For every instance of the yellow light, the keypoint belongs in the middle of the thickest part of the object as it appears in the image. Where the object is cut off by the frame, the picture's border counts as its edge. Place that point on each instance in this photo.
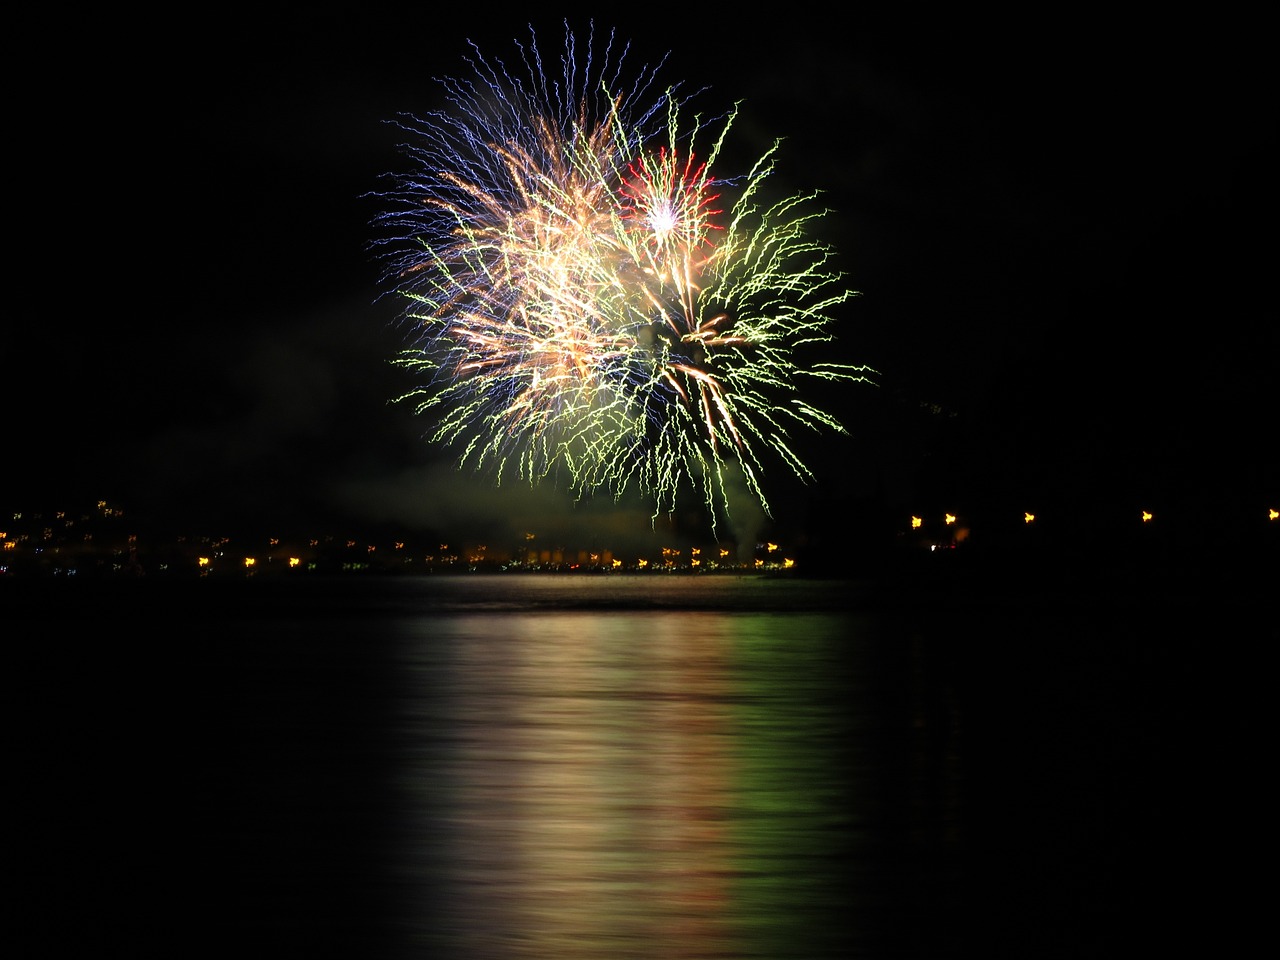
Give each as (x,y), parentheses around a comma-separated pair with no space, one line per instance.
(1146,516)
(1028,517)
(788,563)
(249,561)
(1273,514)
(202,561)
(949,518)
(772,547)
(915,523)
(294,561)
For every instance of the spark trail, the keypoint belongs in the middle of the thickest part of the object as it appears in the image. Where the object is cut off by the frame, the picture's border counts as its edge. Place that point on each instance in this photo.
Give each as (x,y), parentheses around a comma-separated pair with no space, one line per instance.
(586,302)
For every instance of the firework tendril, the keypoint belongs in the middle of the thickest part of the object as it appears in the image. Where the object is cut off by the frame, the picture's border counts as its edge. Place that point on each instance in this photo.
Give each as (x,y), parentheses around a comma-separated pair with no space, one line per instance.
(586,301)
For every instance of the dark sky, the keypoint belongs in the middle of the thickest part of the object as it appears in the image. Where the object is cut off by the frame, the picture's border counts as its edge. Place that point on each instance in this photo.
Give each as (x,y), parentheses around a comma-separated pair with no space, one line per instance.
(1063,233)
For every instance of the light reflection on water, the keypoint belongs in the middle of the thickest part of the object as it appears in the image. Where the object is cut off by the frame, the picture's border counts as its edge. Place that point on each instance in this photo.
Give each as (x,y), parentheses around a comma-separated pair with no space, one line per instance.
(630,767)
(634,784)
(472,768)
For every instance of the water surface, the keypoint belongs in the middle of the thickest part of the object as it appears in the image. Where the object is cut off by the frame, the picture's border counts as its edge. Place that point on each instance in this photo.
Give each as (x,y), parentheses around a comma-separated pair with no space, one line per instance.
(561,767)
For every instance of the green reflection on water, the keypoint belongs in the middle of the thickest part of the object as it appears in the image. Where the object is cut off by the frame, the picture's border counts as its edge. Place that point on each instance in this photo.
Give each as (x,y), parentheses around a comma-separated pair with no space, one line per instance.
(798,819)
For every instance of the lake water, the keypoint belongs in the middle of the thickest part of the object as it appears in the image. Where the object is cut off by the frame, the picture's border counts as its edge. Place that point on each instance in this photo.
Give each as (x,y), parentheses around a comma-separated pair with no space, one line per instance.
(547,767)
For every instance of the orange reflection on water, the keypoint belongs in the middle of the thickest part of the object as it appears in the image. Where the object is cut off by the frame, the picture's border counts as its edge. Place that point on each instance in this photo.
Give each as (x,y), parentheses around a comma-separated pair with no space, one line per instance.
(592,792)
(621,780)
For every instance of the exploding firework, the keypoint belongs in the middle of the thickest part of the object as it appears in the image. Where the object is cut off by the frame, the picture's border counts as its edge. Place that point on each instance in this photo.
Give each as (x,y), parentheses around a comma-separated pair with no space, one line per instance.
(586,301)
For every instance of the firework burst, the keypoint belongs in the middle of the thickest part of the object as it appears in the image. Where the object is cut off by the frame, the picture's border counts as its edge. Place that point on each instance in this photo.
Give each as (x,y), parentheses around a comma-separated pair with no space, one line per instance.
(586,303)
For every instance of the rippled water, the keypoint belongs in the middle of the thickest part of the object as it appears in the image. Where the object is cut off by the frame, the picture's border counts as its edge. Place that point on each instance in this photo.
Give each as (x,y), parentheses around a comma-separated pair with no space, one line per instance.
(633,785)
(578,767)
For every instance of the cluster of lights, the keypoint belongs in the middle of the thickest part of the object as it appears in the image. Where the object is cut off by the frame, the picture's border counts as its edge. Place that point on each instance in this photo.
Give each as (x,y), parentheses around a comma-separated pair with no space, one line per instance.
(45,542)
(1146,516)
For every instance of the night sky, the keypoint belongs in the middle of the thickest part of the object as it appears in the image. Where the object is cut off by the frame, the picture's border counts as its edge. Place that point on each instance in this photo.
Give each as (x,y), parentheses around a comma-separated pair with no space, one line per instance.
(1063,234)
